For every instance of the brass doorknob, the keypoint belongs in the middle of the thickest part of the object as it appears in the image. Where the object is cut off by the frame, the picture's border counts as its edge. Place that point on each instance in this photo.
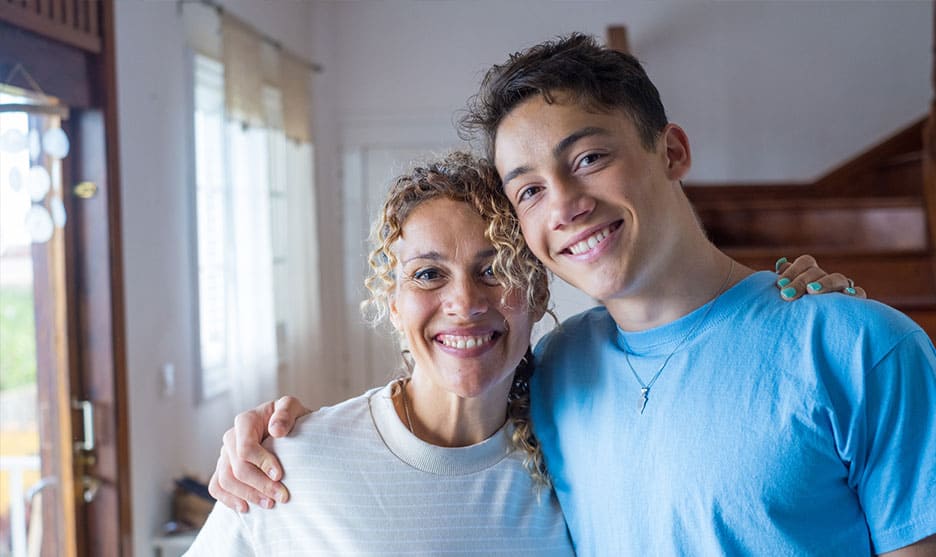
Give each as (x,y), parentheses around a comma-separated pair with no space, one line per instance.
(85,190)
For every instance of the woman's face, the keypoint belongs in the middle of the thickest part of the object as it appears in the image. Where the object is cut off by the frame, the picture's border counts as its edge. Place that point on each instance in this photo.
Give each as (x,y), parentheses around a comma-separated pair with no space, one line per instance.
(448,304)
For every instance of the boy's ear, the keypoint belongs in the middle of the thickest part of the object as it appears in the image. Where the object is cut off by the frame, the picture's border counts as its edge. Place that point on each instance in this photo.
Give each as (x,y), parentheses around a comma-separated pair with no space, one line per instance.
(675,142)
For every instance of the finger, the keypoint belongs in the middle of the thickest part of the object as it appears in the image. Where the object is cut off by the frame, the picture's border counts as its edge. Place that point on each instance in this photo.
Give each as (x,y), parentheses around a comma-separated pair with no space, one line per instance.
(833,282)
(286,411)
(796,287)
(251,463)
(248,482)
(240,484)
(850,288)
(797,267)
(788,272)
(249,432)
(226,498)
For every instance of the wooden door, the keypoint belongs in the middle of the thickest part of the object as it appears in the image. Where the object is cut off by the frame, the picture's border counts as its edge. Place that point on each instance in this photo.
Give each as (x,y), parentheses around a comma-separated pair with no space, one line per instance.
(83,506)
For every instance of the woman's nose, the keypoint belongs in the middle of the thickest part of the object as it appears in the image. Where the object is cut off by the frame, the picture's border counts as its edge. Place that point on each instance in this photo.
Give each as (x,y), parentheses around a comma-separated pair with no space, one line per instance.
(466,298)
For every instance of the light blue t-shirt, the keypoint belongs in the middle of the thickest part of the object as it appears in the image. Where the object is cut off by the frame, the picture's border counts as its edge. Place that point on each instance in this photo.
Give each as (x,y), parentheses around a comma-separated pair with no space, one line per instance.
(776,429)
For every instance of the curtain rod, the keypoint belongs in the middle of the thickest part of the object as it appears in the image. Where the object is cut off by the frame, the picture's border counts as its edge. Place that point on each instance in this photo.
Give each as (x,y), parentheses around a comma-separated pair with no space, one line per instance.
(317,68)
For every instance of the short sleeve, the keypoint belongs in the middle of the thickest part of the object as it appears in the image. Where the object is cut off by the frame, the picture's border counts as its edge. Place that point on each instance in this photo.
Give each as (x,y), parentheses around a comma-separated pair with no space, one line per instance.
(224,534)
(894,466)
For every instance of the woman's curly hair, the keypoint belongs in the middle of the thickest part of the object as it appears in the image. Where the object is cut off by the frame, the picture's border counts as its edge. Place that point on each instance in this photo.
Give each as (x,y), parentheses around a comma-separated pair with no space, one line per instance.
(459,176)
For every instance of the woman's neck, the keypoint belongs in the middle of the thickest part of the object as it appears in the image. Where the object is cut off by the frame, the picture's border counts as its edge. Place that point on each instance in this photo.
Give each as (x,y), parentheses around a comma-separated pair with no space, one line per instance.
(442,418)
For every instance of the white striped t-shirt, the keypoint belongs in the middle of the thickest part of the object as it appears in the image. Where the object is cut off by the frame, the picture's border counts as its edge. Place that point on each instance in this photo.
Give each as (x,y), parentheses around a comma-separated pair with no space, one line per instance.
(361,484)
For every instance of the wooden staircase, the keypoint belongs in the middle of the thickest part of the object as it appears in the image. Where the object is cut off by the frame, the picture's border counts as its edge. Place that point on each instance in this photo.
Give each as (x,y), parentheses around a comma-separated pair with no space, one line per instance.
(871,219)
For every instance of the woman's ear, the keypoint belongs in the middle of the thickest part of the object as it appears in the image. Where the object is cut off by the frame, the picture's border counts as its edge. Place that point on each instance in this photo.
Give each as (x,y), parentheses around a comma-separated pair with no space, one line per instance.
(678,156)
(394,314)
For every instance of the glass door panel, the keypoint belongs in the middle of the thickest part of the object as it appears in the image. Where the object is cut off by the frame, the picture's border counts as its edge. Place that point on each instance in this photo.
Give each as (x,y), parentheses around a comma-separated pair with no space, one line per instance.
(37,488)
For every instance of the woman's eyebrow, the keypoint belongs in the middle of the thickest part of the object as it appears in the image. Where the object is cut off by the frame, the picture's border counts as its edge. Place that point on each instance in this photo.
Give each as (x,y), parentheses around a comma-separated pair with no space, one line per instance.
(430,255)
(486,253)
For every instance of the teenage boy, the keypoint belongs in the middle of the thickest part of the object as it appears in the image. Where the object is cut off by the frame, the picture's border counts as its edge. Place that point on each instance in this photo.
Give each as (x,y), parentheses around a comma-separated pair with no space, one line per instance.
(691,413)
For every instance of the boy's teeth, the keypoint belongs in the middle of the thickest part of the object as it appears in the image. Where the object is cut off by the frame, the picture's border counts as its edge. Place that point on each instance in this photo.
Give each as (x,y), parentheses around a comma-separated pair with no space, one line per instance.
(590,242)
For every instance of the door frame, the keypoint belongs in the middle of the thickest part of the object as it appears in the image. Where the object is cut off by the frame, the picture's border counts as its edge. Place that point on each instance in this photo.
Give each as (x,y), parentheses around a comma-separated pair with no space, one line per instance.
(84,79)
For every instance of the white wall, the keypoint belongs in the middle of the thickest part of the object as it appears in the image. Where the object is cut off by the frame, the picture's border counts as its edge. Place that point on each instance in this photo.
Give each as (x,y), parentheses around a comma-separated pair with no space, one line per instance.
(766,91)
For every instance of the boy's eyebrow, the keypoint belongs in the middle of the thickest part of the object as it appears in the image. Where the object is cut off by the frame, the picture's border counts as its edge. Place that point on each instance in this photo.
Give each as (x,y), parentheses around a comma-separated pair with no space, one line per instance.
(573,137)
(558,150)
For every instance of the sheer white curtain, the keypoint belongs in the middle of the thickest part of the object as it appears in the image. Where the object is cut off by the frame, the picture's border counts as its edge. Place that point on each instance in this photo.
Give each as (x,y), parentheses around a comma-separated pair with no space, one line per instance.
(265,248)
(295,253)
(252,352)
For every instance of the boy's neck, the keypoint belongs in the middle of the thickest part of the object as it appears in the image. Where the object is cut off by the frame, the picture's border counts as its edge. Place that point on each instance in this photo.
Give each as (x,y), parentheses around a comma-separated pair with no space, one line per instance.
(685,281)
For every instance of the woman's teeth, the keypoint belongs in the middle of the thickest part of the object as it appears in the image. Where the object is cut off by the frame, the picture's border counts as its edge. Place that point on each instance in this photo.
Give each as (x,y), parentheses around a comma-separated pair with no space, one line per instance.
(465,342)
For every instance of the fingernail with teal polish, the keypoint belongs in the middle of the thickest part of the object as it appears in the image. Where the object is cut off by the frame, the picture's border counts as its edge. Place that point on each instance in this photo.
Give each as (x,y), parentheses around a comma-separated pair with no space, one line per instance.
(783,282)
(851,291)
(779,262)
(814,287)
(788,292)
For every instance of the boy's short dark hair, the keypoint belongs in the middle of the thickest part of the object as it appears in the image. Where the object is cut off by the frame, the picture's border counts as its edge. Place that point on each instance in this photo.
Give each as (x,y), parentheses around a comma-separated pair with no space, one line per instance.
(597,77)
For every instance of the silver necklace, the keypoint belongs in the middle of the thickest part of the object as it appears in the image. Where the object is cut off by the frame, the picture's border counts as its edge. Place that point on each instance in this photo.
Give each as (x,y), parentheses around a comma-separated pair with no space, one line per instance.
(645,387)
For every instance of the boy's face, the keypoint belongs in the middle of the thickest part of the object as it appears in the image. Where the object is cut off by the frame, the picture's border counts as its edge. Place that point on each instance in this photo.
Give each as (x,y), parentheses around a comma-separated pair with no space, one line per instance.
(594,204)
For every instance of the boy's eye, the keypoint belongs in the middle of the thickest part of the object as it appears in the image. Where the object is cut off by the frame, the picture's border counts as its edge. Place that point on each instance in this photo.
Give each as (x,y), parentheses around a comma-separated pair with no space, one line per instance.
(590,159)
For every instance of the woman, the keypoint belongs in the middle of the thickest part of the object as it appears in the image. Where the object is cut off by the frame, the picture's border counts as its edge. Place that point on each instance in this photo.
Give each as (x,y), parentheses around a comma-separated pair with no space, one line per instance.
(434,462)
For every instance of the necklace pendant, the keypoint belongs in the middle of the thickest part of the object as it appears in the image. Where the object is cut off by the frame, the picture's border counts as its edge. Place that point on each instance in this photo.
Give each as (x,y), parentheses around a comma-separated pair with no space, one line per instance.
(644,398)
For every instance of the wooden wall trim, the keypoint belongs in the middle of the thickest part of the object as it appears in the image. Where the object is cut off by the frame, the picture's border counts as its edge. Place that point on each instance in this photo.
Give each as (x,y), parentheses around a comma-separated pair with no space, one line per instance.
(63,27)
(66,80)
(928,136)
(617,38)
(118,307)
(841,178)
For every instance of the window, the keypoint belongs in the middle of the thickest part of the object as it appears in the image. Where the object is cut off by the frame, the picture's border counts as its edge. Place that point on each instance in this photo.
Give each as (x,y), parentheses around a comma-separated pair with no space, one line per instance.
(213,218)
(253,199)
(234,184)
(277,146)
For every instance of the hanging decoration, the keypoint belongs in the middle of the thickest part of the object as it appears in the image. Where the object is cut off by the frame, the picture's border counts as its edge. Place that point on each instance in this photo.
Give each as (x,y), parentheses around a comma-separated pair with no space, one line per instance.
(45,152)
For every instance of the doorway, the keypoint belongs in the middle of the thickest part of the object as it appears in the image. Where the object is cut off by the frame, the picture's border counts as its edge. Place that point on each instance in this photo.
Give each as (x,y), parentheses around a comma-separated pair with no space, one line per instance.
(64,475)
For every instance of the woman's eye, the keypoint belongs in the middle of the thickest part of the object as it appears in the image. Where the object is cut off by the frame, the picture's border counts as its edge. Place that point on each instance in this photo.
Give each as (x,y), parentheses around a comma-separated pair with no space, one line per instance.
(527,192)
(489,277)
(426,274)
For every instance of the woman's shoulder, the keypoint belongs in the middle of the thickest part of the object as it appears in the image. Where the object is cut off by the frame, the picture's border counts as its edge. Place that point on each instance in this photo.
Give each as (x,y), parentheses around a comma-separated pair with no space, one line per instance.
(347,422)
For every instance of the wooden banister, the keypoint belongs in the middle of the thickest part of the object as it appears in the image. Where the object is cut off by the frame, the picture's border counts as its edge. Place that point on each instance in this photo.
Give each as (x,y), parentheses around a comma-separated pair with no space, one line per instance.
(871,218)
